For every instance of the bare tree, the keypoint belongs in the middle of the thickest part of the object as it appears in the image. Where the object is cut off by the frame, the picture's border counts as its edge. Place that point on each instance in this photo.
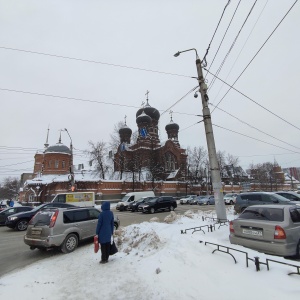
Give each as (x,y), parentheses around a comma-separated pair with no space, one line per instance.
(10,187)
(98,154)
(196,163)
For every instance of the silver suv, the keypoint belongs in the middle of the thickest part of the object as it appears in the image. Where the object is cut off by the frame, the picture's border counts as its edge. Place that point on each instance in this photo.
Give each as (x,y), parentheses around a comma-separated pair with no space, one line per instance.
(62,227)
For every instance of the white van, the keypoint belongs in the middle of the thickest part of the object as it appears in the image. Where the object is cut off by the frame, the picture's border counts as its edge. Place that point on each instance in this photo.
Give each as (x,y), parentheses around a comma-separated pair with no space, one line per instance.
(76,198)
(132,197)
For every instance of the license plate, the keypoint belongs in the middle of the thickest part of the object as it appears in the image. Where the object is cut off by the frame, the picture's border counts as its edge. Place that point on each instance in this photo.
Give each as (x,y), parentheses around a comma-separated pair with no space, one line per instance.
(35,232)
(252,232)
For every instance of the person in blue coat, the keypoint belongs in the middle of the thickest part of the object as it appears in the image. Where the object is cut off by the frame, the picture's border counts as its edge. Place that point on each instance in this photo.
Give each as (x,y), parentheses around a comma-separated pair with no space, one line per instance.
(105,230)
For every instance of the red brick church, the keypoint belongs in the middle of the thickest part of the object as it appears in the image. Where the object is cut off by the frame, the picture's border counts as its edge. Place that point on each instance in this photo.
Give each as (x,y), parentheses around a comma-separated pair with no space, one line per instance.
(147,155)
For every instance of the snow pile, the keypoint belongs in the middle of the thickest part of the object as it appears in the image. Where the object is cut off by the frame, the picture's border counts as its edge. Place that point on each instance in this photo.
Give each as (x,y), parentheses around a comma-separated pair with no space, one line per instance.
(156,262)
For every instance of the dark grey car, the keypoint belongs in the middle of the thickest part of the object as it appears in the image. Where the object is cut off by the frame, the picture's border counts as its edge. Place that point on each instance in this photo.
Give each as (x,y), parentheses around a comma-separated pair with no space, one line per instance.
(258,198)
(273,229)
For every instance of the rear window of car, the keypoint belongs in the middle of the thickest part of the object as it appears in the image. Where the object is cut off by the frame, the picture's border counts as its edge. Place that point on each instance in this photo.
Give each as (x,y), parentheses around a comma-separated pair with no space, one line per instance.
(251,197)
(295,215)
(267,214)
(42,218)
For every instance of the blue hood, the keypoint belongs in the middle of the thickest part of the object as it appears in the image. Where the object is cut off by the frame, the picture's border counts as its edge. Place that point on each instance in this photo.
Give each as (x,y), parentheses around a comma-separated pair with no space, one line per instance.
(105,206)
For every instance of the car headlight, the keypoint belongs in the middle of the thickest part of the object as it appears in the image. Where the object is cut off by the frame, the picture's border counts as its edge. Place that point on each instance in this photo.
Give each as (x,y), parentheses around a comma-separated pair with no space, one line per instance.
(146,206)
(12,218)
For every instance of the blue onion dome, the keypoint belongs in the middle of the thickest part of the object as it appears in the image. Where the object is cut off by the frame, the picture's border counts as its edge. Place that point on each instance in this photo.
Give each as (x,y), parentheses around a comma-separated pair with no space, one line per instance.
(125,129)
(143,118)
(171,126)
(58,148)
(150,111)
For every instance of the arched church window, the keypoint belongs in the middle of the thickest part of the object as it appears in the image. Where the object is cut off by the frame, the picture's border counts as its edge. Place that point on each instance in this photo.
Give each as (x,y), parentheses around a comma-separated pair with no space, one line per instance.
(56,164)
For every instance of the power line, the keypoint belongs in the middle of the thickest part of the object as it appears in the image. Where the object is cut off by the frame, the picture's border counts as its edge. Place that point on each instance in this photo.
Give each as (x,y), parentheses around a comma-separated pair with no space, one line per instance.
(256,53)
(255,127)
(250,137)
(17,164)
(232,45)
(79,99)
(237,57)
(224,36)
(93,61)
(204,58)
(232,87)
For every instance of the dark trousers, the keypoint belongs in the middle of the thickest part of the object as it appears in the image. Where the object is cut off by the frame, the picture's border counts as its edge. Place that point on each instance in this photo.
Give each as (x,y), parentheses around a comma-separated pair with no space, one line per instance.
(105,251)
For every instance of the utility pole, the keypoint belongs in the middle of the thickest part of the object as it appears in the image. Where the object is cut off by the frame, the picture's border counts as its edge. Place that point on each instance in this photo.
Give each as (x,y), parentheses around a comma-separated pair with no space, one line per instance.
(212,153)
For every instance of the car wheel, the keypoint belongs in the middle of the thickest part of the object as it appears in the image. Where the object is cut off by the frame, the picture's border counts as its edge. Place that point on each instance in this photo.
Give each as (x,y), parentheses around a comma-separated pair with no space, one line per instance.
(207,202)
(22,225)
(132,210)
(231,202)
(152,210)
(70,243)
(171,208)
(121,207)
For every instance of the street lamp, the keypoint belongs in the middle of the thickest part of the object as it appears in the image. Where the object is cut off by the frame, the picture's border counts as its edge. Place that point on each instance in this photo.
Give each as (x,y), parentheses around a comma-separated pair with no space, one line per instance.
(213,161)
(71,162)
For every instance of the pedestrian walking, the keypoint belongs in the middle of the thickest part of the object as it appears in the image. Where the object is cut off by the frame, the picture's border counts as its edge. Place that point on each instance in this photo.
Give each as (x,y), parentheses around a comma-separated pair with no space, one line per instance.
(105,230)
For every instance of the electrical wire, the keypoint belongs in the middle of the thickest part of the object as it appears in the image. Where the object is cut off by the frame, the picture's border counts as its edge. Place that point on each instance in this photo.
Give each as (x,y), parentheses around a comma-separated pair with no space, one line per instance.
(257,52)
(231,87)
(80,99)
(253,127)
(241,50)
(93,61)
(254,138)
(204,58)
(224,36)
(232,45)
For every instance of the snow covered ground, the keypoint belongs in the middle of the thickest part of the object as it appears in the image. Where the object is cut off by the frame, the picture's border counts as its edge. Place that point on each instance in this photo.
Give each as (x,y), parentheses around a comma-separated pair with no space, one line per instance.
(156,261)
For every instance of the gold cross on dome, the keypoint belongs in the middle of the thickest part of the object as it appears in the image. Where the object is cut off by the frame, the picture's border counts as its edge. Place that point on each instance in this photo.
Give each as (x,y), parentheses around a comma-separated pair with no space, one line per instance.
(171,114)
(125,119)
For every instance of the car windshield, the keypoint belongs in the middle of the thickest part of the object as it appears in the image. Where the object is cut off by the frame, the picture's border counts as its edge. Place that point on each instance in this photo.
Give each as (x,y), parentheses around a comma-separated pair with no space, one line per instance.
(263,213)
(152,200)
(229,195)
(276,197)
(125,198)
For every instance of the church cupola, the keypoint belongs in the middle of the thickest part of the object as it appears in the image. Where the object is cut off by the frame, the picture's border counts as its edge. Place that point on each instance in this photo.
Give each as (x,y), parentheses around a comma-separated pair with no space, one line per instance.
(172,130)
(125,133)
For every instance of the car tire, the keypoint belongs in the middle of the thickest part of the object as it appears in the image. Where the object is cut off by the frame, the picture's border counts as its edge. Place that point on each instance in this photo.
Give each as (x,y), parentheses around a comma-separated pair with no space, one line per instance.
(207,203)
(152,210)
(132,210)
(115,226)
(122,208)
(171,208)
(231,202)
(70,243)
(22,225)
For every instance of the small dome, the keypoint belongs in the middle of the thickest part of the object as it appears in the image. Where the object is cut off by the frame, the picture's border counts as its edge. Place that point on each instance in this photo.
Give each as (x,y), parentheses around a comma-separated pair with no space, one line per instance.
(143,118)
(125,129)
(150,111)
(171,126)
(58,148)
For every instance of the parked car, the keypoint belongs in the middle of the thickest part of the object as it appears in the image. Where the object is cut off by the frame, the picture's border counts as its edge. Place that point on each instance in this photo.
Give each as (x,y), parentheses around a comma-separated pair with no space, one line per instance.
(62,227)
(135,205)
(258,198)
(194,201)
(158,204)
(187,200)
(272,229)
(12,210)
(230,198)
(206,200)
(293,196)
(19,221)
(3,206)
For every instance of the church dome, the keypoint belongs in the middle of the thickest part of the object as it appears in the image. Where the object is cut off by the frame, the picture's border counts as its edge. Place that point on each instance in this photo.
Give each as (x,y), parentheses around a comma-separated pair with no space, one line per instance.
(150,111)
(125,130)
(58,148)
(143,118)
(172,126)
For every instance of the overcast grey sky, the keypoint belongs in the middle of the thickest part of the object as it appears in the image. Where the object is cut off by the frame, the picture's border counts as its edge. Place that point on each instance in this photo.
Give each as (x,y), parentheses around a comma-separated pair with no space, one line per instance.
(145,35)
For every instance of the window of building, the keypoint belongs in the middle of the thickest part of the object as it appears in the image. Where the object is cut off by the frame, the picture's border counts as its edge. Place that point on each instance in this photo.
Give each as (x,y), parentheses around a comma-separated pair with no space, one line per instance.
(49,163)
(63,164)
(56,164)
(170,162)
